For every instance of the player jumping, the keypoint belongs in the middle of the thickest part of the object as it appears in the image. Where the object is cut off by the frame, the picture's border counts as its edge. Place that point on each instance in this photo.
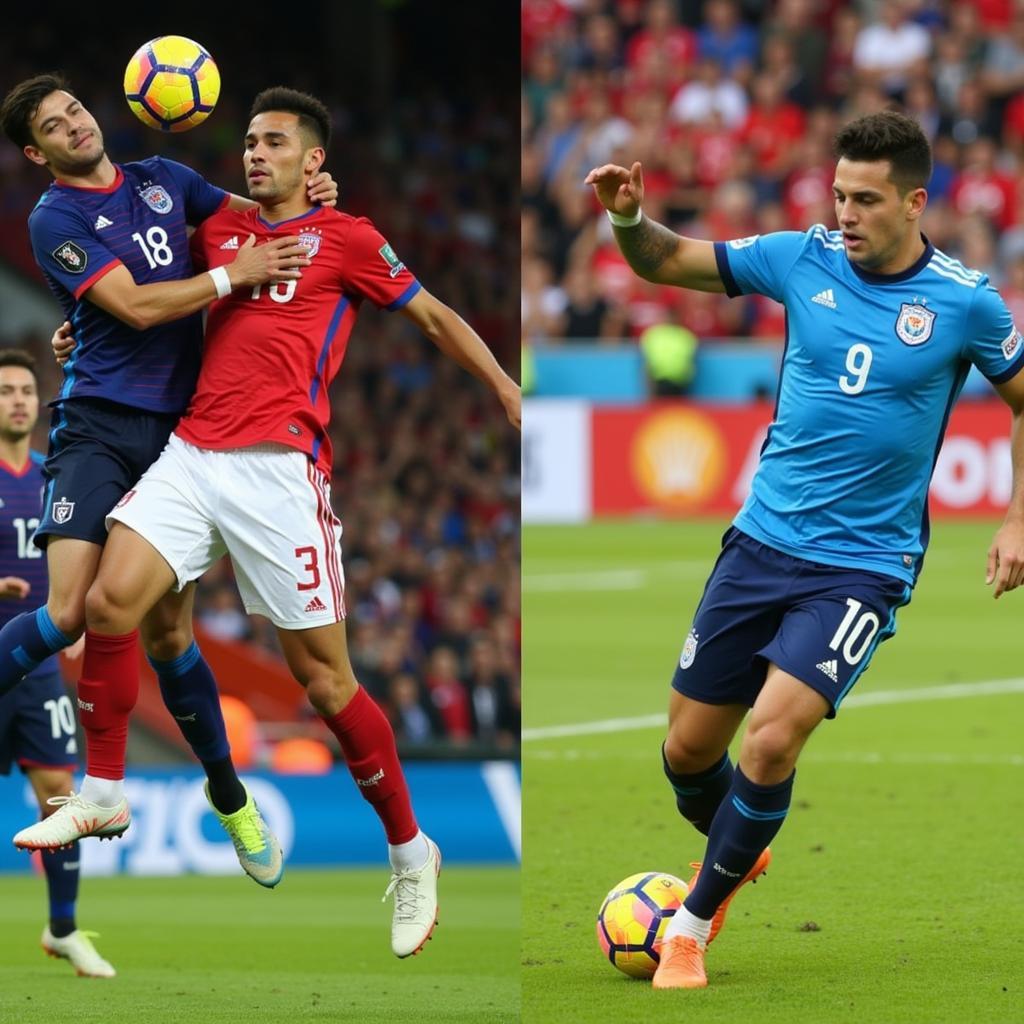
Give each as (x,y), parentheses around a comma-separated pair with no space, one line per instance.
(247,472)
(111,242)
(882,330)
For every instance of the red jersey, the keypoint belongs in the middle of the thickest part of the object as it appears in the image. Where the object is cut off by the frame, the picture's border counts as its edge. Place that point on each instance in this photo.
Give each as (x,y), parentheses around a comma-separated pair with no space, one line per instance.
(272,351)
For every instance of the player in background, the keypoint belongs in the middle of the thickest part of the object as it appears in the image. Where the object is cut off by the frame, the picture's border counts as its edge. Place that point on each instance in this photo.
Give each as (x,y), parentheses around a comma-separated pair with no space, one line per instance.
(111,242)
(882,330)
(247,471)
(37,722)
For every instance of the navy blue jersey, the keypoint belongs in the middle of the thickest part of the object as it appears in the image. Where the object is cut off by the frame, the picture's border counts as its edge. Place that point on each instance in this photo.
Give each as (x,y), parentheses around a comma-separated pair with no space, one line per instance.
(80,234)
(872,367)
(21,499)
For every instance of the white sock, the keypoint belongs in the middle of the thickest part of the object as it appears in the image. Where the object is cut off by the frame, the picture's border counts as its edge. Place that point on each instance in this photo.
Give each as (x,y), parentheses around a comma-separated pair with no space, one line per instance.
(685,923)
(411,855)
(105,792)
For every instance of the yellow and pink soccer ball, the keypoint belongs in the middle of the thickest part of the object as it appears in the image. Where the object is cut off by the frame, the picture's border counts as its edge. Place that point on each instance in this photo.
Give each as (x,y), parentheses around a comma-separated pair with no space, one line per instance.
(171,84)
(633,917)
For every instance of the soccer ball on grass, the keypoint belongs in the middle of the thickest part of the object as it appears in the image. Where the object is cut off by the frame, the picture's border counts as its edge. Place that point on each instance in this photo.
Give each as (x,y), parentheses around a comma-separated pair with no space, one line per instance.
(632,920)
(171,84)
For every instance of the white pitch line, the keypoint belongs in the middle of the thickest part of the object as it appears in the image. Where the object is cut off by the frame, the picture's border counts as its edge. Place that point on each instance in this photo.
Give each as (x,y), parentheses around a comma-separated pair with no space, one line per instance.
(866,757)
(951,691)
(608,579)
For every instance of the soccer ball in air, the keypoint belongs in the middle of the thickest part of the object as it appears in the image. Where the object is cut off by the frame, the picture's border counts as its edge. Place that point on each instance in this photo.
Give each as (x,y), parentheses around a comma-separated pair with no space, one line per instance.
(632,920)
(171,83)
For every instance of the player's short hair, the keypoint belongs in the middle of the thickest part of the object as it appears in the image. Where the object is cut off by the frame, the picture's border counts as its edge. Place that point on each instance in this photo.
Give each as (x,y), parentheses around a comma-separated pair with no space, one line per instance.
(889,135)
(18,357)
(314,117)
(22,102)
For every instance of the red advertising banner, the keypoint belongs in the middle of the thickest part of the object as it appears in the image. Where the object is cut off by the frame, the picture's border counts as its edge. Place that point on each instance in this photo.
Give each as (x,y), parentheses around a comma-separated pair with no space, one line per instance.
(680,459)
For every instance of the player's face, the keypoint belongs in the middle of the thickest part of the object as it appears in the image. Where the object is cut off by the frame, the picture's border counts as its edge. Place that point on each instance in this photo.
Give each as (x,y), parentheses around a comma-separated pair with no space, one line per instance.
(19,402)
(874,217)
(67,138)
(277,158)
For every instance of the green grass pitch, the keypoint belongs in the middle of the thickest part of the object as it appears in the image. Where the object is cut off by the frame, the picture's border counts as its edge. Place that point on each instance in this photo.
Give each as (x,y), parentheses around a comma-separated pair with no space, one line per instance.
(212,950)
(896,895)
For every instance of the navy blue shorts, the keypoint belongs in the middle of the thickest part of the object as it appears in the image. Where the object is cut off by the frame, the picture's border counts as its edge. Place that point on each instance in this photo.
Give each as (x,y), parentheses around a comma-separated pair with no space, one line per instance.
(98,451)
(37,725)
(817,622)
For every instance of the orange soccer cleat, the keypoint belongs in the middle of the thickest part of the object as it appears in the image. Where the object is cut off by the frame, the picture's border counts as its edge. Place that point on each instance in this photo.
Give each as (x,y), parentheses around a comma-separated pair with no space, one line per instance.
(759,868)
(682,964)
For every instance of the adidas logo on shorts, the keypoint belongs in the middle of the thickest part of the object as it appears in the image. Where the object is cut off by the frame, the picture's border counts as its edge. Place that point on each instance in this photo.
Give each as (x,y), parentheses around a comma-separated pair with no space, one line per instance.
(316,605)
(830,668)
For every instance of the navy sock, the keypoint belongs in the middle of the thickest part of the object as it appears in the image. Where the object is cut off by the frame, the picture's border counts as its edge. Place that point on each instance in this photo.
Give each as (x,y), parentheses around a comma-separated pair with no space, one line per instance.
(25,643)
(190,693)
(61,867)
(698,795)
(747,821)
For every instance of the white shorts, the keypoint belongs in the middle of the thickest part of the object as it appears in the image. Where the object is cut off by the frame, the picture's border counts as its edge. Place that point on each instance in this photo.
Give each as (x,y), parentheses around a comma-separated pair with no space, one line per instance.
(267,506)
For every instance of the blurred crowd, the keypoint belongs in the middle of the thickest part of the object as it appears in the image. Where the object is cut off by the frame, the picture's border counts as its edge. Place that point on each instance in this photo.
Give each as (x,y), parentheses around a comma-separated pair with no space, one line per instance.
(426,467)
(731,107)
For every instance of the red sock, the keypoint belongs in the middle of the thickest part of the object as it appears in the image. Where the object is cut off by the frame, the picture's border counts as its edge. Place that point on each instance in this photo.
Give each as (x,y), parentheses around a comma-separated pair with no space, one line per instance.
(369,747)
(107,692)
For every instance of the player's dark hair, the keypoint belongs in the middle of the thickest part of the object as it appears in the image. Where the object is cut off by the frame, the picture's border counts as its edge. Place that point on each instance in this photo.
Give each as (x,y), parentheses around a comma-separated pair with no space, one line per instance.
(889,135)
(18,357)
(22,102)
(314,117)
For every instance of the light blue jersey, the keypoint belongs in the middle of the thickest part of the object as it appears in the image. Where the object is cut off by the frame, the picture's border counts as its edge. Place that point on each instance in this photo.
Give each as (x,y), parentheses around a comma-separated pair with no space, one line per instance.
(872,366)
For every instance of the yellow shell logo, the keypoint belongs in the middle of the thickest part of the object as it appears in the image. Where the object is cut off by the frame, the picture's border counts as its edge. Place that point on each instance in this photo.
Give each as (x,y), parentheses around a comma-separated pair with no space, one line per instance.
(678,459)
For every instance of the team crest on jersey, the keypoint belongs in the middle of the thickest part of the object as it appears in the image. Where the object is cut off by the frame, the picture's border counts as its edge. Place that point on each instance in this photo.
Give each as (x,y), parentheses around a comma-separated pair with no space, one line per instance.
(689,650)
(742,243)
(128,495)
(1011,346)
(62,511)
(157,199)
(914,324)
(73,258)
(310,241)
(396,265)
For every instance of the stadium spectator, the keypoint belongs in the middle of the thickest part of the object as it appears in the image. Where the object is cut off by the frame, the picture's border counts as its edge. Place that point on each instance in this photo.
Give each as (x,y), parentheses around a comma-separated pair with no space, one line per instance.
(891,49)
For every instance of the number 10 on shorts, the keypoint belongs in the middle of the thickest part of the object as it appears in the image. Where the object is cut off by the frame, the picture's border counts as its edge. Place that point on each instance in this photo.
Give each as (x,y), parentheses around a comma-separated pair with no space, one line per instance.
(855,632)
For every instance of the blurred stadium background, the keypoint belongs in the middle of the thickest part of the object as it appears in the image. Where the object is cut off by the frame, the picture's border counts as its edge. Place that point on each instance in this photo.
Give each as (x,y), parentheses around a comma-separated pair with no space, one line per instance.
(426,477)
(647,411)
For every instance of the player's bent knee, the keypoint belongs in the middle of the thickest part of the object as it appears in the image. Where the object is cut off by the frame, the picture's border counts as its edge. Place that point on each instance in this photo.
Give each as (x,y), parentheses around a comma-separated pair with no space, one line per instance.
(770,748)
(163,644)
(329,692)
(686,756)
(68,617)
(104,613)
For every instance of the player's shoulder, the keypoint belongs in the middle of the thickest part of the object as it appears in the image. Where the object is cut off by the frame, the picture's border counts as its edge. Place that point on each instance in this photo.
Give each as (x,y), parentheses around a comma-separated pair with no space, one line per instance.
(54,204)
(38,458)
(960,277)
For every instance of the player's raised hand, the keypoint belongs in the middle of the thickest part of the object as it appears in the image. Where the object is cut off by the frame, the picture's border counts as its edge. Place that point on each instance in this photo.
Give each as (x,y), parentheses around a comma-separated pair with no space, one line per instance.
(14,586)
(617,189)
(280,259)
(1005,566)
(322,189)
(62,343)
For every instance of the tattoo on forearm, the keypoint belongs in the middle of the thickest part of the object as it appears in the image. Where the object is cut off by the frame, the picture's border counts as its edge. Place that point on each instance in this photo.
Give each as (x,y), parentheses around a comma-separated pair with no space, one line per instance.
(647,246)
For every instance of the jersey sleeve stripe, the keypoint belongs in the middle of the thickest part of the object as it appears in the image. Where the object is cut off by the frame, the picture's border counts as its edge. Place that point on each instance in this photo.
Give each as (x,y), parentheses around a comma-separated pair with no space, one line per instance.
(102,272)
(405,297)
(732,289)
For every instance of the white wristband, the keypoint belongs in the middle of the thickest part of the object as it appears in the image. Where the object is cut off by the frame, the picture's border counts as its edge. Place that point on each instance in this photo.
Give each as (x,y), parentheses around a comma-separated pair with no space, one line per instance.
(221,281)
(625,222)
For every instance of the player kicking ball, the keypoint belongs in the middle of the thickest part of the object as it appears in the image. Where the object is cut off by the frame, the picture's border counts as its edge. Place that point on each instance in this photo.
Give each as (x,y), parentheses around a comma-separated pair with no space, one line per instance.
(882,330)
(37,721)
(247,472)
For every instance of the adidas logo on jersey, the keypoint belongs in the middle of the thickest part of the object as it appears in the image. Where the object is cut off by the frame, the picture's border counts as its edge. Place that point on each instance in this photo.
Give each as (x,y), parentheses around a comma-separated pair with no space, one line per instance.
(231,243)
(825,298)
(316,605)
(830,668)
(102,222)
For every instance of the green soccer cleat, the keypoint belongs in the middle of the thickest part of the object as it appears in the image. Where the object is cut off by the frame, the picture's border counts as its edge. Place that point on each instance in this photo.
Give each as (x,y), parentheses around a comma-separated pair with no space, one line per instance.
(257,847)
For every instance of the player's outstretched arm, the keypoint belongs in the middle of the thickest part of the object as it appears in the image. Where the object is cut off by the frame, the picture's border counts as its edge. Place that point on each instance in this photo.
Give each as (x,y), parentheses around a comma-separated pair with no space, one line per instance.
(146,305)
(455,338)
(653,251)
(1005,569)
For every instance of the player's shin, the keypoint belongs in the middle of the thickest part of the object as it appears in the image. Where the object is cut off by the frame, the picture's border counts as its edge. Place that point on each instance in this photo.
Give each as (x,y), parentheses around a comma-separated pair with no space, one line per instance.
(368,744)
(25,642)
(747,821)
(190,694)
(699,795)
(107,693)
(61,868)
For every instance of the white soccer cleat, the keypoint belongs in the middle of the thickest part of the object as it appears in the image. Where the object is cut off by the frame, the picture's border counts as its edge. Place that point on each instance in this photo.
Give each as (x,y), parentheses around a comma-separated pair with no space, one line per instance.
(75,819)
(78,948)
(415,904)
